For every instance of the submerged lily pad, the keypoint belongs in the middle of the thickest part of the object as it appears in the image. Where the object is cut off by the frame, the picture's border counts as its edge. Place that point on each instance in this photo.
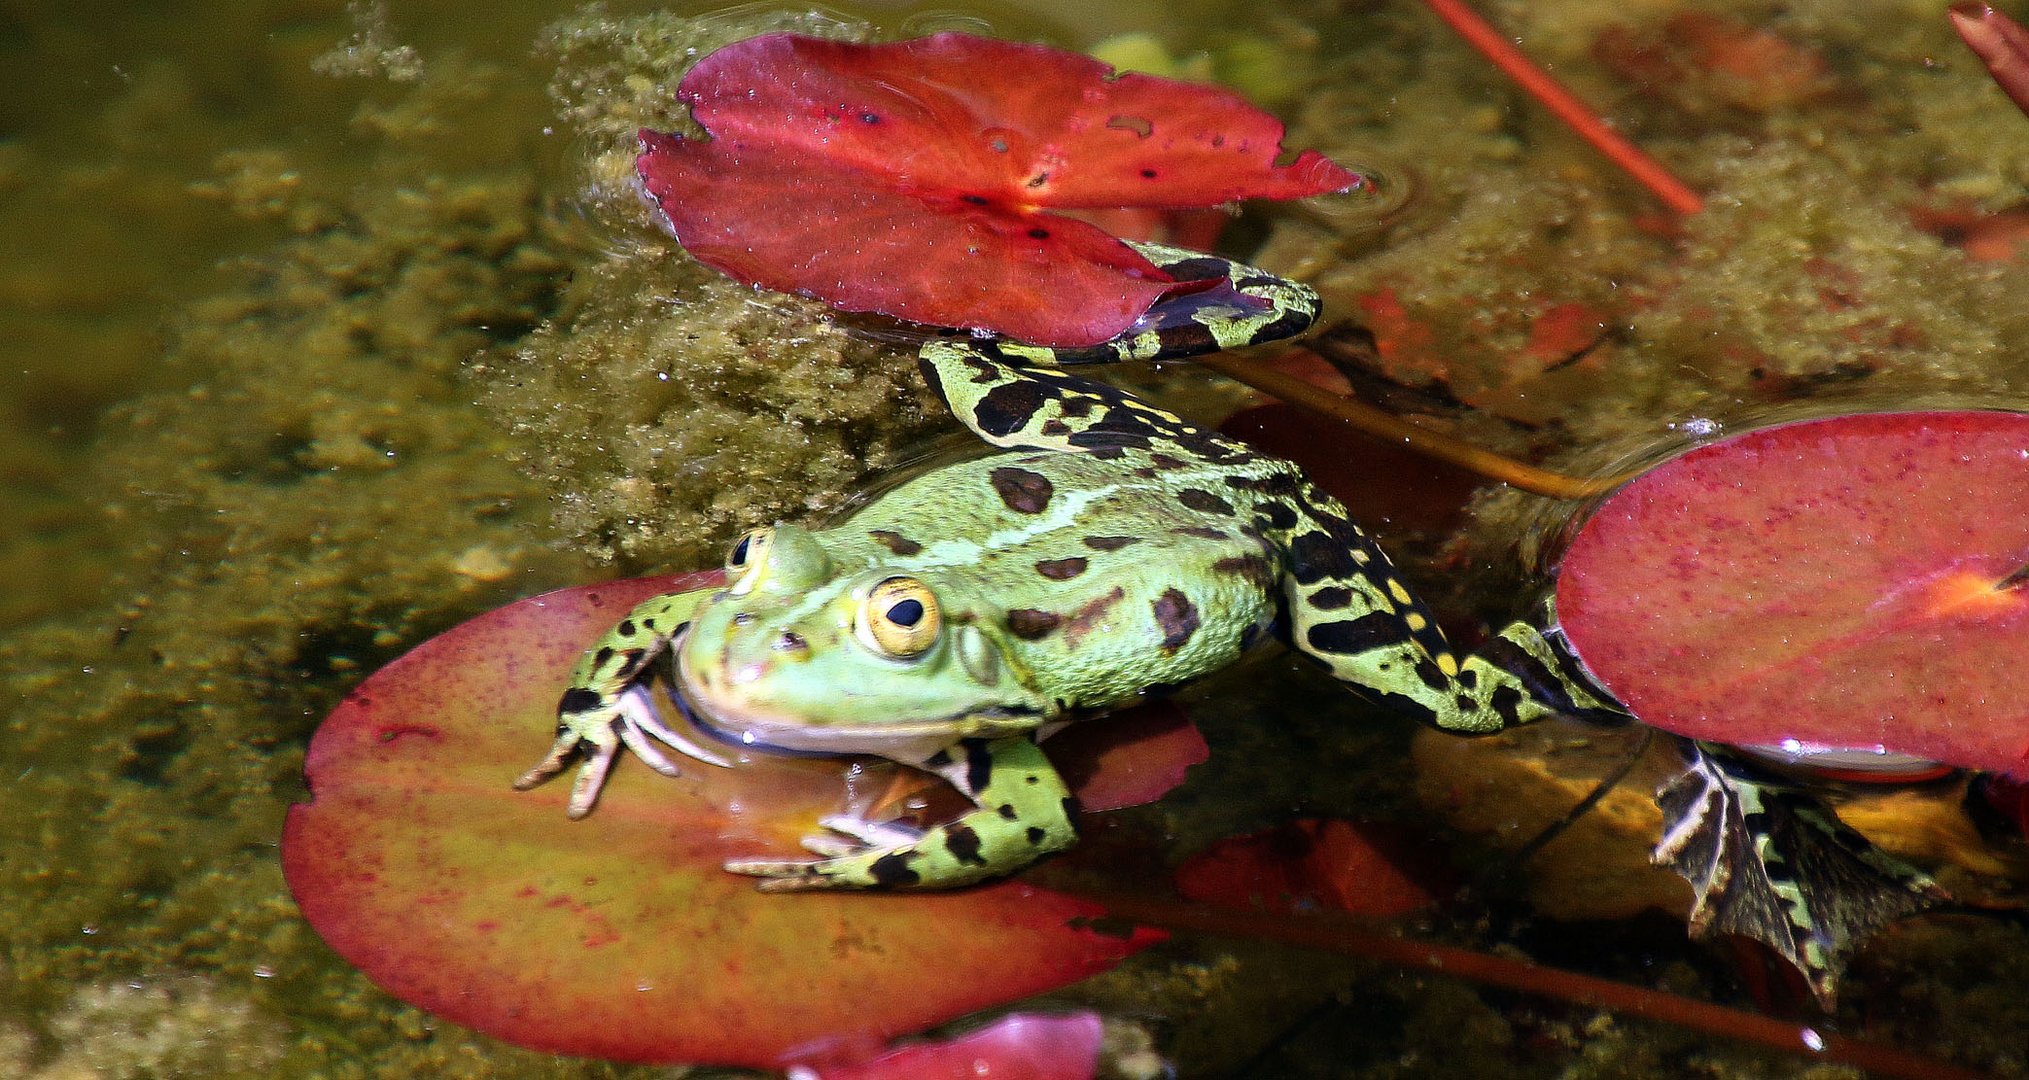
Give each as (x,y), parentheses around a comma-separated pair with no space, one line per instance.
(620,936)
(1849,583)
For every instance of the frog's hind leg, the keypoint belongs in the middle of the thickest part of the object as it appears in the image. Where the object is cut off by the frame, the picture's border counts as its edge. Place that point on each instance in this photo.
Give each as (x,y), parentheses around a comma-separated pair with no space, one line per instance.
(607,706)
(1023,813)
(1351,611)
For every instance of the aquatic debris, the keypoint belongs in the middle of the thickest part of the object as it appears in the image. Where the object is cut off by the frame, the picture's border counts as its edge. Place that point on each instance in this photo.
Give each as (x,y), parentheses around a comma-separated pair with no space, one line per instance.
(622,937)
(1313,864)
(941,158)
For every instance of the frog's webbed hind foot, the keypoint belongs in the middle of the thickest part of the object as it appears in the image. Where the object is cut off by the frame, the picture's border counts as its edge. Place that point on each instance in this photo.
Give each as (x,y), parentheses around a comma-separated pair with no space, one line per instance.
(1769,861)
(1024,813)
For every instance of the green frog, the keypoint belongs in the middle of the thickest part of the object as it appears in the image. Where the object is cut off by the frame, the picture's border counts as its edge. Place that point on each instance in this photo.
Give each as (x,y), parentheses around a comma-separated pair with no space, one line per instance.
(1111,551)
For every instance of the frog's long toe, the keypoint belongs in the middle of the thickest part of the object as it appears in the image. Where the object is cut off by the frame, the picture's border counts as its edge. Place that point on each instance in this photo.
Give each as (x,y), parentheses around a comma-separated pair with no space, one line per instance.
(641,720)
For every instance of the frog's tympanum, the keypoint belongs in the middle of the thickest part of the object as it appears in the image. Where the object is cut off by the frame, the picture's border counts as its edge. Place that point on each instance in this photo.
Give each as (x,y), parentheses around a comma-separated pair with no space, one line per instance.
(1110,551)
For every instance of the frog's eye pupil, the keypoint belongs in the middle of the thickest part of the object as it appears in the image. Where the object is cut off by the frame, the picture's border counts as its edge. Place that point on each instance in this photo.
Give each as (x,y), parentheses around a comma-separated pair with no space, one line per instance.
(906,613)
(739,556)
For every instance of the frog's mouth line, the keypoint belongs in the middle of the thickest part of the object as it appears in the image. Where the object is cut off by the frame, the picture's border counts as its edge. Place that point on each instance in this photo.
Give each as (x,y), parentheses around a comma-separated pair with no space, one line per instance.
(910,743)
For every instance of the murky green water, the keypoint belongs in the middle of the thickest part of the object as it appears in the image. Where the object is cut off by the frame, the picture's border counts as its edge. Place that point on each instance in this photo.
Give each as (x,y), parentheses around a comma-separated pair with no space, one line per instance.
(322,330)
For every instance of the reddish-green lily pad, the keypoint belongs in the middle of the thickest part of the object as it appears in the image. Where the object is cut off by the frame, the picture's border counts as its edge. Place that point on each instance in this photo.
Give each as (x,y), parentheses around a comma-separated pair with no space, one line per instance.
(1849,583)
(916,178)
(620,936)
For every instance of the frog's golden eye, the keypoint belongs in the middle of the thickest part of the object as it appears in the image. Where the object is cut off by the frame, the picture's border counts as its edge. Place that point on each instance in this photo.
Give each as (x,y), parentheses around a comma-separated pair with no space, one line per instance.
(899,618)
(749,553)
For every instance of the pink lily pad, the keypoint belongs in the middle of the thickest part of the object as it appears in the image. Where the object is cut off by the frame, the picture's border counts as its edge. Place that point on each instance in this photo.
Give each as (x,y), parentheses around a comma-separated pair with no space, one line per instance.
(1021,1046)
(620,936)
(913,178)
(1849,583)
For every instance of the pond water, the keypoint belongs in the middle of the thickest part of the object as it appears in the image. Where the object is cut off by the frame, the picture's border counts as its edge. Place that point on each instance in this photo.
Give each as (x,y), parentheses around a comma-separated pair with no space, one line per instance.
(324,328)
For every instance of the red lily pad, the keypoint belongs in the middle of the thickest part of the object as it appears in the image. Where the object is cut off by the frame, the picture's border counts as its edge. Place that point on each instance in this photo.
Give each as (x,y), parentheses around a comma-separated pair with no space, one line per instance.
(1849,583)
(913,178)
(620,936)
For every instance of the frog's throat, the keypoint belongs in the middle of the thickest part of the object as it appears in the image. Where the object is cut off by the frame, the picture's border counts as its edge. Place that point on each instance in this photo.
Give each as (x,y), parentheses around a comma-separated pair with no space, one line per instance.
(910,742)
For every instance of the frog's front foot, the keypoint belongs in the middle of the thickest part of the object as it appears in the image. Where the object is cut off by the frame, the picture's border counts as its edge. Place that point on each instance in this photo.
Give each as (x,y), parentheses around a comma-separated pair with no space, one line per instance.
(596,730)
(1023,813)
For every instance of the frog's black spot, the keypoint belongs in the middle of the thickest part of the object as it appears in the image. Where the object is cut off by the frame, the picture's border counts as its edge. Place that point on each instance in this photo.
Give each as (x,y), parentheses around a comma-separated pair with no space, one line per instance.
(978,766)
(869,118)
(1468,679)
(742,618)
(1023,491)
(1105,451)
(1007,408)
(604,654)
(1331,598)
(1278,484)
(1432,675)
(1055,428)
(938,760)
(1029,624)
(1167,461)
(632,664)
(1201,268)
(895,542)
(1036,835)
(578,699)
(1404,705)
(1177,617)
(1315,556)
(963,843)
(1077,408)
(1252,568)
(1039,233)
(1204,502)
(1201,532)
(625,629)
(1465,705)
(1188,339)
(1006,810)
(893,871)
(1506,701)
(975,200)
(1110,543)
(1061,569)
(791,641)
(1352,637)
(1278,515)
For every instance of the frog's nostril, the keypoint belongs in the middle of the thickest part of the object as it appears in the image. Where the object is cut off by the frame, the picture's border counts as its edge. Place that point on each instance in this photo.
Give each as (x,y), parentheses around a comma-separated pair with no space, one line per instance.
(790,641)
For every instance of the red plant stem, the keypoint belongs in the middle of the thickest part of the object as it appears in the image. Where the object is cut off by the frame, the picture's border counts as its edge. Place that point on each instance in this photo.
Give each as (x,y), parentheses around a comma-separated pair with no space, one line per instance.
(2001,43)
(1581,119)
(1345,936)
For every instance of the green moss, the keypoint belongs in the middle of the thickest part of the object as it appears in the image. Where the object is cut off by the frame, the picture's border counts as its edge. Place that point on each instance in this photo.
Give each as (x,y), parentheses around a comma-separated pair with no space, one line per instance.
(670,408)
